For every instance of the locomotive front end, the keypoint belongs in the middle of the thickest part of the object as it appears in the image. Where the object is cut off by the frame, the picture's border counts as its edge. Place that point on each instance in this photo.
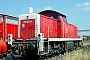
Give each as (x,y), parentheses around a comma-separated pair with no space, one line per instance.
(29,41)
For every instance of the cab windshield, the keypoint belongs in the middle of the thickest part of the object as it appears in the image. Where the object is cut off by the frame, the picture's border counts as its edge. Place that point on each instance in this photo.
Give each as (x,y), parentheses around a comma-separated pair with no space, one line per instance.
(54,15)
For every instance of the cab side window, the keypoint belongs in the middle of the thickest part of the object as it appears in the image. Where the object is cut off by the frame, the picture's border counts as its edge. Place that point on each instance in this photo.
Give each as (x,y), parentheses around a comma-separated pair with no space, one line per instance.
(45,14)
(54,15)
(58,22)
(64,18)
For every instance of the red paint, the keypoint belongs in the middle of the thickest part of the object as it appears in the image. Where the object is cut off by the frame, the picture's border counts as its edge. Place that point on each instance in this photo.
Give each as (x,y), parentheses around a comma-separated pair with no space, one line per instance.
(46,22)
(55,25)
(4,27)
(70,31)
(1,33)
(52,34)
(28,31)
(50,24)
(3,48)
(75,32)
(60,28)
(43,22)
(11,29)
(45,32)
(64,30)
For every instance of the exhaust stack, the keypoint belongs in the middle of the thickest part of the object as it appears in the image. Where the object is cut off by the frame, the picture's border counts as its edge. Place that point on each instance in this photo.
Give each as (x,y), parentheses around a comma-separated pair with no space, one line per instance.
(30,10)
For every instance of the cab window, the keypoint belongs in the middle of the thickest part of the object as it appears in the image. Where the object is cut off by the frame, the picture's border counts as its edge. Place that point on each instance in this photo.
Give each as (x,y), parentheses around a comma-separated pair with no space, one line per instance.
(44,14)
(54,15)
(64,18)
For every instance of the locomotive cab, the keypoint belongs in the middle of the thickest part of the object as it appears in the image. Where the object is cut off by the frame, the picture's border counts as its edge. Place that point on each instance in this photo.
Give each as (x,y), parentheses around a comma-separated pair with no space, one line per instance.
(61,22)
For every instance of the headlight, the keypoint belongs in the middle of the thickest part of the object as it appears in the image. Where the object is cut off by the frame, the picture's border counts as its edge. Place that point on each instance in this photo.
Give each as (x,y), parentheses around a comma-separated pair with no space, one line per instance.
(23,25)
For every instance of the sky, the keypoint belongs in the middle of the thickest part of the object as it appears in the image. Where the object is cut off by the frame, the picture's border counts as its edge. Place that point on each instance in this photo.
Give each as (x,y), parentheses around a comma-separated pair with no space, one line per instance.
(77,11)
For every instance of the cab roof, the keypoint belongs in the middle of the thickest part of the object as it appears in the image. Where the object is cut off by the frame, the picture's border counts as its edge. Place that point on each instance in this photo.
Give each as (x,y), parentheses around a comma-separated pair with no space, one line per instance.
(52,11)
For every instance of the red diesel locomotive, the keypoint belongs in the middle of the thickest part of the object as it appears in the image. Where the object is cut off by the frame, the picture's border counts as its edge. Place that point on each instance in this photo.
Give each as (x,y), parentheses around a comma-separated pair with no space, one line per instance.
(43,34)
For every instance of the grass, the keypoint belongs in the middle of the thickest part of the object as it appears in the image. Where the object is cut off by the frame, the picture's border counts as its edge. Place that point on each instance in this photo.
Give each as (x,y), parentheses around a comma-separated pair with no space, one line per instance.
(82,54)
(86,41)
